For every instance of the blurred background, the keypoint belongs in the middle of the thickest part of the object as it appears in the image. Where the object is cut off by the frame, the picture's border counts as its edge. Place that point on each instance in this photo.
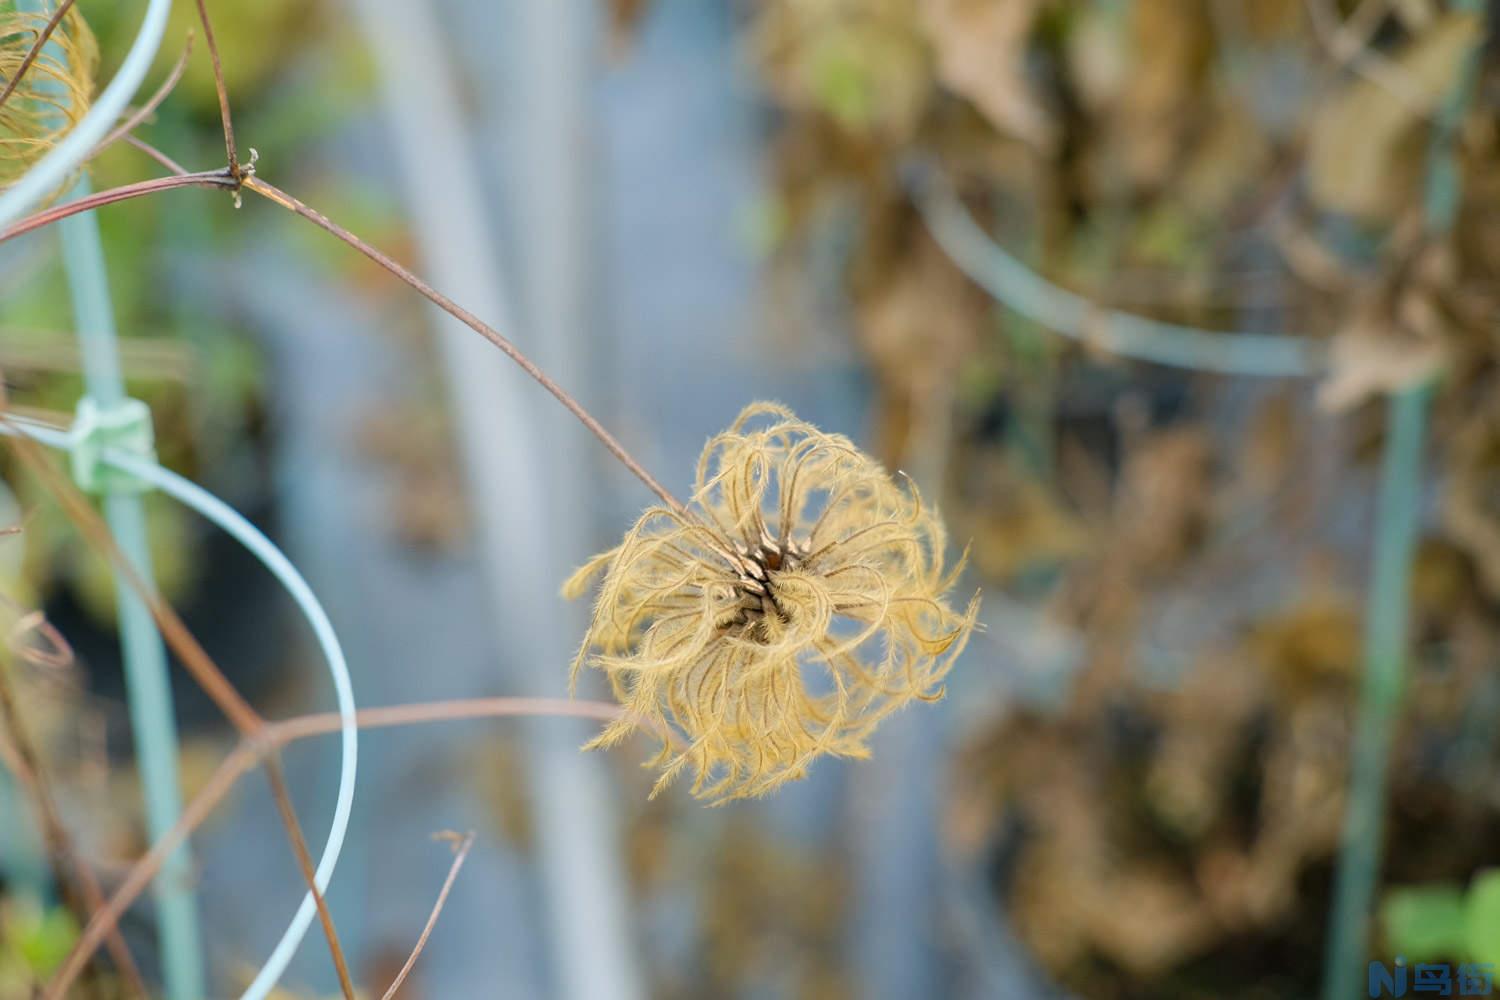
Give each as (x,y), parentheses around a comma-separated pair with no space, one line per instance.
(1124,284)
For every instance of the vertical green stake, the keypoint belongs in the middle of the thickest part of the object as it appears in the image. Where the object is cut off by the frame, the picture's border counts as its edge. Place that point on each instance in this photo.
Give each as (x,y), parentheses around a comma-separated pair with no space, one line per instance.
(1387,610)
(1386,621)
(147,682)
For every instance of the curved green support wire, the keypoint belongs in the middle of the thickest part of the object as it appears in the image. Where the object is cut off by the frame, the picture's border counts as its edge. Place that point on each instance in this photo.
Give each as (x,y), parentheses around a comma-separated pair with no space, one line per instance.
(1018,287)
(253,539)
(145,656)
(1386,626)
(1015,285)
(148,684)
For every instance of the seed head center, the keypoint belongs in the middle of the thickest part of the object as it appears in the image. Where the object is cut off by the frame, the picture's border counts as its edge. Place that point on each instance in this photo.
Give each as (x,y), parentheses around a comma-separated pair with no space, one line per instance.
(756,585)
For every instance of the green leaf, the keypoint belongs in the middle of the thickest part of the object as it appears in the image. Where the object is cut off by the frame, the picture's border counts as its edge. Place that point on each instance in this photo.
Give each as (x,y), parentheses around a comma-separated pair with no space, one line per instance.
(44,944)
(842,82)
(1425,922)
(1482,918)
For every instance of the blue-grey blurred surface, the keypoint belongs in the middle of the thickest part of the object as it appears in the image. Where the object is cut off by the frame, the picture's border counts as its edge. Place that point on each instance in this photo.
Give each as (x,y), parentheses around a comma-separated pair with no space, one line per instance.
(673,340)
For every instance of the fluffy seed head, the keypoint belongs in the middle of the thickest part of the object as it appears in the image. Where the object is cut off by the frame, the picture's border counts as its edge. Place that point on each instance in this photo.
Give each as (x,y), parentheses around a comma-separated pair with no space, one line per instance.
(796,602)
(54,93)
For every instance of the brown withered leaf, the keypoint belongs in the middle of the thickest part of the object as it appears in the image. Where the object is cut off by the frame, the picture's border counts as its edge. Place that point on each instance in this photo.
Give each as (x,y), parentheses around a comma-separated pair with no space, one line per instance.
(1397,334)
(1022,526)
(981,55)
(427,505)
(1167,498)
(1313,645)
(919,318)
(863,63)
(1172,45)
(1203,722)
(1366,152)
(1098,56)
(1231,156)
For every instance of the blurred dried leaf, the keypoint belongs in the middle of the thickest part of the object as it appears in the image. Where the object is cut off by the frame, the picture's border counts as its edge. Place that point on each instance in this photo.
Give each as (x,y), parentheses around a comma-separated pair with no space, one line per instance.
(1171,49)
(1098,56)
(428,506)
(1472,506)
(1167,498)
(1023,527)
(1398,333)
(981,55)
(863,63)
(1367,149)
(1313,643)
(918,318)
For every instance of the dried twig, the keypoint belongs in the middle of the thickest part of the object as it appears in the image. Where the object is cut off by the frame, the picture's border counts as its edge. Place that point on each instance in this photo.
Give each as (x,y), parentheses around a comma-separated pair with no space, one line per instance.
(283,797)
(156,155)
(206,178)
(249,753)
(197,661)
(104,920)
(123,130)
(213,53)
(25,762)
(324,723)
(461,853)
(205,672)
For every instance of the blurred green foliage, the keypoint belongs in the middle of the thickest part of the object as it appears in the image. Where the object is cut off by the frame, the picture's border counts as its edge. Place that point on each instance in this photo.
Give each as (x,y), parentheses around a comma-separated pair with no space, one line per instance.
(1432,922)
(34,940)
(202,376)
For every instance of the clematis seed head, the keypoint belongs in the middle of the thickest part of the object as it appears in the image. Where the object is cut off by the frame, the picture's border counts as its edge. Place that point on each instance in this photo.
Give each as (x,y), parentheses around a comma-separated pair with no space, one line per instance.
(797,600)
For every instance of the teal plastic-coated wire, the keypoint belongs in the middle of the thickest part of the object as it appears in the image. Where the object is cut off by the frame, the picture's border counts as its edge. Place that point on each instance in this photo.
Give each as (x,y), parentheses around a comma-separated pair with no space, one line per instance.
(1386,626)
(1020,288)
(1387,610)
(53,169)
(152,719)
(153,722)
(273,559)
(150,695)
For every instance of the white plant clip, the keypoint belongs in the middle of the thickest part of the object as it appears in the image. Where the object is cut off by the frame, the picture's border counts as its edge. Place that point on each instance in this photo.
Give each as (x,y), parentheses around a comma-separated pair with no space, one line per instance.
(126,426)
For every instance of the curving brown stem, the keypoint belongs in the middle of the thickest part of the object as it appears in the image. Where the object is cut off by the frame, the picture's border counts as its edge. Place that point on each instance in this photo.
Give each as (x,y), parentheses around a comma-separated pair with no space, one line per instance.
(461,852)
(230,149)
(107,918)
(250,752)
(205,178)
(130,123)
(251,726)
(283,797)
(71,869)
(474,323)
